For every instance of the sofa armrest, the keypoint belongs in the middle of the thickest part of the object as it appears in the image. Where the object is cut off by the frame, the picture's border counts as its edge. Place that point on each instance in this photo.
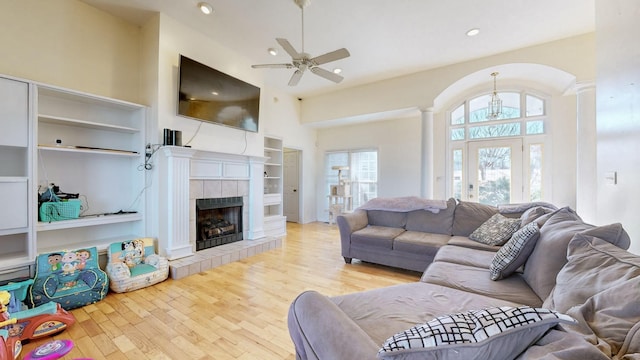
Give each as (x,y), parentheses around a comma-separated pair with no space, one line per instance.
(347,224)
(321,330)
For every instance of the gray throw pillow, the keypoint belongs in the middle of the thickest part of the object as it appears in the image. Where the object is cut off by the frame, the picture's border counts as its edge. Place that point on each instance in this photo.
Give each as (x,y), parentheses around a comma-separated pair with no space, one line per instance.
(468,216)
(495,231)
(515,252)
(491,333)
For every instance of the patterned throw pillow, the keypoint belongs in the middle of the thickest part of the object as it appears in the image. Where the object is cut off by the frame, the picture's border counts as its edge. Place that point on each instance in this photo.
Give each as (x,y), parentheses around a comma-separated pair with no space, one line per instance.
(495,231)
(491,333)
(515,252)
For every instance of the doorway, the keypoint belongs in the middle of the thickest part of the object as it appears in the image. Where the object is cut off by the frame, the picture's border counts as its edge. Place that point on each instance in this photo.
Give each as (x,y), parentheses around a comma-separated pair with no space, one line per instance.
(495,171)
(292,170)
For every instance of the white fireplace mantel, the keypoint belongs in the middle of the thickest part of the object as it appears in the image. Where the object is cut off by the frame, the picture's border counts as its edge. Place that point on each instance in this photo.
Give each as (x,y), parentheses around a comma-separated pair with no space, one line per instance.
(180,165)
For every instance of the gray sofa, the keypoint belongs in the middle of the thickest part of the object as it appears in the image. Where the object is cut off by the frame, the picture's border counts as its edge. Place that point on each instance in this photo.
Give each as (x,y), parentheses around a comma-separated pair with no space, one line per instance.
(568,266)
(409,235)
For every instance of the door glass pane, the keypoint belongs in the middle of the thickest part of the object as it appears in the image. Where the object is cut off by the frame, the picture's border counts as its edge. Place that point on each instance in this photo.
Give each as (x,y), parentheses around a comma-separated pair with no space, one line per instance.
(364,176)
(535,172)
(535,106)
(457,134)
(493,131)
(457,173)
(494,175)
(535,127)
(457,115)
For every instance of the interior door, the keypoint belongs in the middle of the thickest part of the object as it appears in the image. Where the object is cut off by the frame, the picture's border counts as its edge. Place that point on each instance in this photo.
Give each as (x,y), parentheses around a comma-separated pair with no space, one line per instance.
(291,184)
(495,171)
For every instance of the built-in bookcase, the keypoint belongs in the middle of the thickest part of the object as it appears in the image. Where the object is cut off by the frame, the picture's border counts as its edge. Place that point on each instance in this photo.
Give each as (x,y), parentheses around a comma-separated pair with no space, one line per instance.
(274,221)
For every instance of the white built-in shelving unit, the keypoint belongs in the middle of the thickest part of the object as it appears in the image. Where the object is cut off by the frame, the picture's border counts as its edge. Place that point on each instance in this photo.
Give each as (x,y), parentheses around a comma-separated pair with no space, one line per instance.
(83,143)
(274,221)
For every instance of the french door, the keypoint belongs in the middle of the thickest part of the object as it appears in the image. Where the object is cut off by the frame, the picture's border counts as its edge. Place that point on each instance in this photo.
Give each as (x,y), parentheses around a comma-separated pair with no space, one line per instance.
(495,171)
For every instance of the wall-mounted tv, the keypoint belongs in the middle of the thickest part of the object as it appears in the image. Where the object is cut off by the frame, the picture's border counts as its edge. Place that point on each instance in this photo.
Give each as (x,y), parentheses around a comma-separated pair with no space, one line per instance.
(210,95)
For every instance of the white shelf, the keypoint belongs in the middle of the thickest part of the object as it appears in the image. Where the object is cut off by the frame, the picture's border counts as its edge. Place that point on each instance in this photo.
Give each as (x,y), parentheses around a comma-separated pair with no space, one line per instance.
(59,120)
(272,149)
(111,152)
(91,220)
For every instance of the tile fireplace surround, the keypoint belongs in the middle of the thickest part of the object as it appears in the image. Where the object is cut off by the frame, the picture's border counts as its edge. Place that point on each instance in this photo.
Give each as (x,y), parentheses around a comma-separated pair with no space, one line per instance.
(195,174)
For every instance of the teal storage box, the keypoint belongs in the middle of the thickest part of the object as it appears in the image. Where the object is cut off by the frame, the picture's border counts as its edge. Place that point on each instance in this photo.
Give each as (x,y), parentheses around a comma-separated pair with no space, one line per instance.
(60,210)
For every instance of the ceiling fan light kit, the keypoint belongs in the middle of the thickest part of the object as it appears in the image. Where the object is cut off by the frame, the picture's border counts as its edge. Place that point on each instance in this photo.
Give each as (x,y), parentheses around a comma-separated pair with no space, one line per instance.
(302,61)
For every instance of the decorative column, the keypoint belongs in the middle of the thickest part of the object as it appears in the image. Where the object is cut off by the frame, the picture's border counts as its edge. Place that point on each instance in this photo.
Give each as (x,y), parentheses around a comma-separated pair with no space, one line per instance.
(173,235)
(426,159)
(586,152)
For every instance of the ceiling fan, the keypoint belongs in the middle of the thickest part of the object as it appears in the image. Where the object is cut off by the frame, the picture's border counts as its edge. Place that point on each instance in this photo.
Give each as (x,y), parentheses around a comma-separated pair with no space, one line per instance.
(302,61)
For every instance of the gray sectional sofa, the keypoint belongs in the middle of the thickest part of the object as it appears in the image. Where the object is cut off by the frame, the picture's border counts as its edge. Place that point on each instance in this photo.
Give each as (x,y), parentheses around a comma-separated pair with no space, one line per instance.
(564,267)
(409,236)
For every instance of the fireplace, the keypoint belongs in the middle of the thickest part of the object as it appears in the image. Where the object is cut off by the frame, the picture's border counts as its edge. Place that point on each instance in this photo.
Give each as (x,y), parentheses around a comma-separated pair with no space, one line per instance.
(218,221)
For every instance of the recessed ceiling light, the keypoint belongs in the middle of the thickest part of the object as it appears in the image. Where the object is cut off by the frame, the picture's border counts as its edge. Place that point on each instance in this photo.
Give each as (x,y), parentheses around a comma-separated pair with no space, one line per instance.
(205,8)
(337,70)
(473,32)
(273,51)
(214,93)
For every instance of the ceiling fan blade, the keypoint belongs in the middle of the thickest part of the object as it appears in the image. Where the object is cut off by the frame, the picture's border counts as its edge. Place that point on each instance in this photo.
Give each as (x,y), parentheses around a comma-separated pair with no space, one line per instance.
(295,78)
(272,66)
(331,56)
(327,74)
(286,45)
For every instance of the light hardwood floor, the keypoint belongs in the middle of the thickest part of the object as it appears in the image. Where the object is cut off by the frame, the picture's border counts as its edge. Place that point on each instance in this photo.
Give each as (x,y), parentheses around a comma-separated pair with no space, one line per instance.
(235,311)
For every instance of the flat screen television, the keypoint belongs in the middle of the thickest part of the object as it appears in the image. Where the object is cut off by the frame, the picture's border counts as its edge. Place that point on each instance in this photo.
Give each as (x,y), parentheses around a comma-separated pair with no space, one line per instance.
(210,95)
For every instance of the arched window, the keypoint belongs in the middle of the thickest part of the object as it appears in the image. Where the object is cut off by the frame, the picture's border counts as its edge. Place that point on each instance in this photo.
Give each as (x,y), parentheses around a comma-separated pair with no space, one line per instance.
(498,160)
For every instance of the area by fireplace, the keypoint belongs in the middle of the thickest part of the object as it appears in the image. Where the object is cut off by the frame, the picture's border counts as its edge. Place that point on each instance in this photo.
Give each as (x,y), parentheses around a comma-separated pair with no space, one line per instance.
(218,221)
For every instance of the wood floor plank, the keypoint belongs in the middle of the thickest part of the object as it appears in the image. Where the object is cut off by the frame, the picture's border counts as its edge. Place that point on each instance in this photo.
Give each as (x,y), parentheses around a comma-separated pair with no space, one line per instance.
(236,311)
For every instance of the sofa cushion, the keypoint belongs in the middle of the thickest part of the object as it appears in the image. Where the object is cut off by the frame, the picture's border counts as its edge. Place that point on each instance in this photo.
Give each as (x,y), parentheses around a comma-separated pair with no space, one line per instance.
(428,221)
(464,241)
(495,231)
(490,333)
(387,218)
(465,256)
(469,216)
(385,311)
(600,285)
(420,242)
(549,254)
(558,344)
(534,213)
(477,281)
(515,252)
(379,236)
(593,266)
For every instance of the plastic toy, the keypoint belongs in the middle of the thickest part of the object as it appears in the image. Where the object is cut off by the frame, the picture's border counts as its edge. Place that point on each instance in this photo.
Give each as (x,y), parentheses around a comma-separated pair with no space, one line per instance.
(10,346)
(18,323)
(52,350)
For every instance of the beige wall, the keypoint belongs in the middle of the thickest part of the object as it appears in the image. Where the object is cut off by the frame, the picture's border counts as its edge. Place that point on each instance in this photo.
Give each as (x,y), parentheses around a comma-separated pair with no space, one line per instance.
(70,44)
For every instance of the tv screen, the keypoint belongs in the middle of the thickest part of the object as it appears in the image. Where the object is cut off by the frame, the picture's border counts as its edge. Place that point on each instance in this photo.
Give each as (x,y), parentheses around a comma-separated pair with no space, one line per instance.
(210,95)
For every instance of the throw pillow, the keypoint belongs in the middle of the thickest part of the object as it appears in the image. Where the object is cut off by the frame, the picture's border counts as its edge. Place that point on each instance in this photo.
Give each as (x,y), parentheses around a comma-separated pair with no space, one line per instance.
(495,231)
(515,252)
(491,333)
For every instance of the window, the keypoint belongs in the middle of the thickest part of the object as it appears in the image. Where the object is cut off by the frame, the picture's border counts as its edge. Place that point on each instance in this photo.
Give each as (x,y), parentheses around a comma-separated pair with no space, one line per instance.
(363,173)
(523,120)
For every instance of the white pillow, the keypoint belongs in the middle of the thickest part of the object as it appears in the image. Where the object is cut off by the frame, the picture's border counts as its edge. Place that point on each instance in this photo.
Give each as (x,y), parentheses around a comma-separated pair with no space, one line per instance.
(491,333)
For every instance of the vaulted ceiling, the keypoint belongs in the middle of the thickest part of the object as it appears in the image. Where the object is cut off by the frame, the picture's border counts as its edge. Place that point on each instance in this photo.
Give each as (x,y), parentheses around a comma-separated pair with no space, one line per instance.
(385,38)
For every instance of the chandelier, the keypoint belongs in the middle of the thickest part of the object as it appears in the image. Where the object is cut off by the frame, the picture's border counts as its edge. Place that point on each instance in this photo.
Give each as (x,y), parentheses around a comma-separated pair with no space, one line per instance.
(494,110)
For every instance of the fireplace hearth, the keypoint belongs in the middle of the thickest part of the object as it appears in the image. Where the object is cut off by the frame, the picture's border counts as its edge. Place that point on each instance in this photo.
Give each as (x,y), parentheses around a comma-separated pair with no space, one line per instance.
(218,221)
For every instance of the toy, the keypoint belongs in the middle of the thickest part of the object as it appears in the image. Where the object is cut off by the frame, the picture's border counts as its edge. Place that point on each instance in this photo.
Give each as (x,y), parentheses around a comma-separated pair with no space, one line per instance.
(10,346)
(52,350)
(21,323)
